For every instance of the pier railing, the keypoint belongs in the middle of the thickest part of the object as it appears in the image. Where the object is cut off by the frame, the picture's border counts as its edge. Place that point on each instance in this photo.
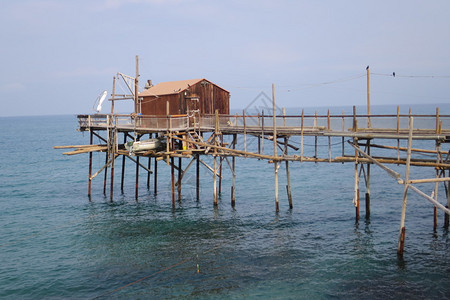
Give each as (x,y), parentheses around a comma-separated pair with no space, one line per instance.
(132,121)
(427,124)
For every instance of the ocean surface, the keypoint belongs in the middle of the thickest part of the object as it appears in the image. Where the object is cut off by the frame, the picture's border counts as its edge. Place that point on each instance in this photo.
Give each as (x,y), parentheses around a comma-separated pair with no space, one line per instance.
(57,244)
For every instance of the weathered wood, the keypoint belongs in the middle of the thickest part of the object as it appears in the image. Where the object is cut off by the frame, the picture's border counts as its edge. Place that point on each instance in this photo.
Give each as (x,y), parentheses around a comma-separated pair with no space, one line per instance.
(401,240)
(197,185)
(90,165)
(172,173)
(277,208)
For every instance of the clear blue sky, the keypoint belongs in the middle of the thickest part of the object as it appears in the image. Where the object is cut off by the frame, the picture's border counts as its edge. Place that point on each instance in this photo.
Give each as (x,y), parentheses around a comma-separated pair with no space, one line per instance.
(57,56)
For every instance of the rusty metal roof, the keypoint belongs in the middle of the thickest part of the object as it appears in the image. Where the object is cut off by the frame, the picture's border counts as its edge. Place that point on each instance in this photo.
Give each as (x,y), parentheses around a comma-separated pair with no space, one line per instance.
(169,87)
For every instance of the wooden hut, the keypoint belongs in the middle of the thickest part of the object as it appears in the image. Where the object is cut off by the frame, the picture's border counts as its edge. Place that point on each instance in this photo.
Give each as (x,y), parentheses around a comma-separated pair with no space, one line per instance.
(184,97)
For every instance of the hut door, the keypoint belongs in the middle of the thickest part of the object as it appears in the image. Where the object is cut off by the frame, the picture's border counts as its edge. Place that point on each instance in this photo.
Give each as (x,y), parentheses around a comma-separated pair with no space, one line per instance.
(193,112)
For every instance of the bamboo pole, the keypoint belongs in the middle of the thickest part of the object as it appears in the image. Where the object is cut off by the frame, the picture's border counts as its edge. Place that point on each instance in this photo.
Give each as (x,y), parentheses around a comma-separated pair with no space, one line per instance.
(401,240)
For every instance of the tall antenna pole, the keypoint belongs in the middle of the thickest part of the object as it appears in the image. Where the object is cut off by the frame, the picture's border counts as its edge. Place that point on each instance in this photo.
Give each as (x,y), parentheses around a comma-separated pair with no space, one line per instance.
(137,107)
(368,96)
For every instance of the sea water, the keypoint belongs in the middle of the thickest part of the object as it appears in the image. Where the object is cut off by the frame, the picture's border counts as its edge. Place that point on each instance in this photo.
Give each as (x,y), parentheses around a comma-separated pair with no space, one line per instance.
(55,243)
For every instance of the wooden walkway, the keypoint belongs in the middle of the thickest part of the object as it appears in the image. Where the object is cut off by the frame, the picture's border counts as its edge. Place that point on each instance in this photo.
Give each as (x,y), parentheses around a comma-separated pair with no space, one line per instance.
(191,137)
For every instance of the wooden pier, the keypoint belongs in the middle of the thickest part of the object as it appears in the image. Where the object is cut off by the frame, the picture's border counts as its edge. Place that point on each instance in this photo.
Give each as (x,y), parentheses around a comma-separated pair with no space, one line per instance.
(192,130)
(181,138)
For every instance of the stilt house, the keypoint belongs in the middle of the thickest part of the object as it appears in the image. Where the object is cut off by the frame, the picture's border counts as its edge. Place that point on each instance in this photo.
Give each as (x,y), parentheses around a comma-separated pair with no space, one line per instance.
(184,97)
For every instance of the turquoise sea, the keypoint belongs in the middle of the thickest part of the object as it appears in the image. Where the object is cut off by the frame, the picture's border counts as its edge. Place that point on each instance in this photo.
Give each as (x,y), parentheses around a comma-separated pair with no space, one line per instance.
(56,244)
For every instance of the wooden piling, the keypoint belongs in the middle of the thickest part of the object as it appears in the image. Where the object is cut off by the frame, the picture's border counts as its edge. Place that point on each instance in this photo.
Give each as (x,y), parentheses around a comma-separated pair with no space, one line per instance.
(155,179)
(172,172)
(367,180)
(149,166)
(91,140)
(356,186)
(401,240)
(447,194)
(106,172)
(301,134)
(122,179)
(288,175)
(179,178)
(220,168)
(216,201)
(113,159)
(233,183)
(277,207)
(136,194)
(197,185)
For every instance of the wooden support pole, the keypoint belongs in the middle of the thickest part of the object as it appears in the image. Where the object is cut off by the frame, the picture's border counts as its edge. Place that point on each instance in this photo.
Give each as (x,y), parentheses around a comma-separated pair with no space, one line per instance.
(401,239)
(172,172)
(329,137)
(368,97)
(155,179)
(233,183)
(343,130)
(259,137)
(288,175)
(216,201)
(275,164)
(220,167)
(245,130)
(122,179)
(398,131)
(91,140)
(136,195)
(106,172)
(356,187)
(447,194)
(436,184)
(113,159)
(197,185)
(262,132)
(315,136)
(180,170)
(368,184)
(149,166)
(301,134)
